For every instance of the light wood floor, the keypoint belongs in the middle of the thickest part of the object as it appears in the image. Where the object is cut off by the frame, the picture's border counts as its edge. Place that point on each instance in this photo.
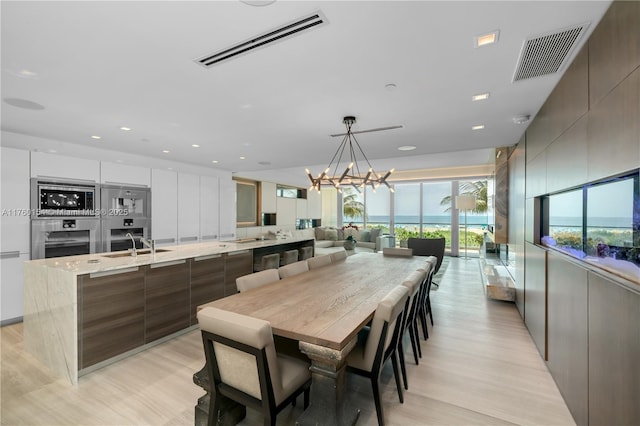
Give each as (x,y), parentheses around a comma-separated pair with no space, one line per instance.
(479,367)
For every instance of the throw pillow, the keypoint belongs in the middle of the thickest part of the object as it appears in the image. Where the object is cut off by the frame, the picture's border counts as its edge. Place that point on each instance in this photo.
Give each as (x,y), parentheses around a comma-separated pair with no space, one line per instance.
(320,233)
(365,236)
(341,235)
(375,233)
(331,234)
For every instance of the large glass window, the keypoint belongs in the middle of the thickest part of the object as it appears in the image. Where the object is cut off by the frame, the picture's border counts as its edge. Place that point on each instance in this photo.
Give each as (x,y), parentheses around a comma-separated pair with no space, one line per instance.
(329,206)
(353,207)
(476,219)
(436,211)
(378,206)
(599,223)
(406,208)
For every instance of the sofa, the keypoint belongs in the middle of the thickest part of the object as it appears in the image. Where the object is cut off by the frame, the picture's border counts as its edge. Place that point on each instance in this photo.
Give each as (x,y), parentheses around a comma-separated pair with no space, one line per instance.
(328,237)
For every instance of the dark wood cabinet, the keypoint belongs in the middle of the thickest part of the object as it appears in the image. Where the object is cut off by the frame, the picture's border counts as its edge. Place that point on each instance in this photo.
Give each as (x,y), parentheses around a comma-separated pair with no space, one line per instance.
(236,264)
(614,345)
(167,299)
(207,281)
(110,314)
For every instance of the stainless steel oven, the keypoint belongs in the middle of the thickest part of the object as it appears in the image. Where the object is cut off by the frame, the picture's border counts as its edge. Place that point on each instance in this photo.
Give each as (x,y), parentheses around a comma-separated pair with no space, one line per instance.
(64,237)
(125,210)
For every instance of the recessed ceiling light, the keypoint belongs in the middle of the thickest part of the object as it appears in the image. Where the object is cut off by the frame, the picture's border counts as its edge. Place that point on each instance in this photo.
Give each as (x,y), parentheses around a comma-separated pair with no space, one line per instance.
(27,73)
(406,148)
(243,158)
(478,127)
(214,161)
(480,96)
(486,39)
(96,137)
(166,151)
(195,145)
(126,129)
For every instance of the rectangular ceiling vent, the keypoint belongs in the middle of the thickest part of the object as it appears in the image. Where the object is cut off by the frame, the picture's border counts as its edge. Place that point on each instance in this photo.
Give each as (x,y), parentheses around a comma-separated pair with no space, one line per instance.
(545,54)
(283,32)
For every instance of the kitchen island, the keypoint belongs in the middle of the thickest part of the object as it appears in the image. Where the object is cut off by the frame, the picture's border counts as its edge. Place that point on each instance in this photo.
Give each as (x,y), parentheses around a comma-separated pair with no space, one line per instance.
(84,312)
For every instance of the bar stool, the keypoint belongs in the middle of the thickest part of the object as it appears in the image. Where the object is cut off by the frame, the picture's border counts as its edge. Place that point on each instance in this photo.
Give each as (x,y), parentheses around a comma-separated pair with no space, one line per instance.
(289,256)
(268,261)
(306,253)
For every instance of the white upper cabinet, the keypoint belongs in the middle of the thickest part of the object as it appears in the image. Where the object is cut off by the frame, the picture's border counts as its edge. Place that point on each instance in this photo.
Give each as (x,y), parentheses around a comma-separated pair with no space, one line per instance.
(287,210)
(301,208)
(62,167)
(188,208)
(122,174)
(269,204)
(227,209)
(15,201)
(209,211)
(164,209)
(314,205)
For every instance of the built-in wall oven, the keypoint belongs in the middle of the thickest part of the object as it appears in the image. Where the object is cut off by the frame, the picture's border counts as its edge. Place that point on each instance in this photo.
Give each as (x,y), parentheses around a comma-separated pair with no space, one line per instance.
(125,210)
(65,218)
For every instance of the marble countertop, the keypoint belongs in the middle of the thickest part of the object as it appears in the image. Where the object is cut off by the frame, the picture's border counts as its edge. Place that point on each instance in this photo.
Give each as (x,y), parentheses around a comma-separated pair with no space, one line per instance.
(101,262)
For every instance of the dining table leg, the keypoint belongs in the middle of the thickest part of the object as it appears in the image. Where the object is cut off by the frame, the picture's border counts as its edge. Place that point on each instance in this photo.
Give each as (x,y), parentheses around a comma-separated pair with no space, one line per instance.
(329,404)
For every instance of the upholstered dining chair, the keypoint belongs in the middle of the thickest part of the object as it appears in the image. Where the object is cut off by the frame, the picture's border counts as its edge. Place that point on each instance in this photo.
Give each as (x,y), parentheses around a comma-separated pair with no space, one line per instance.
(428,247)
(338,255)
(319,261)
(409,322)
(243,365)
(257,279)
(288,257)
(293,269)
(305,253)
(424,306)
(379,343)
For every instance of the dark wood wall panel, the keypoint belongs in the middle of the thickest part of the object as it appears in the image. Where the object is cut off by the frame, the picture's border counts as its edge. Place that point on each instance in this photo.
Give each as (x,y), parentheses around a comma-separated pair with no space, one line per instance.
(536,175)
(614,130)
(614,48)
(614,348)
(567,103)
(567,158)
(517,218)
(111,309)
(167,300)
(535,300)
(567,349)
(207,282)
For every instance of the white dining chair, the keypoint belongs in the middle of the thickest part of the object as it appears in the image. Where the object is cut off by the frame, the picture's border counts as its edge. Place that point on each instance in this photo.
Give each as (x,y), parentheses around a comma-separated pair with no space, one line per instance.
(319,261)
(293,269)
(338,255)
(257,279)
(243,365)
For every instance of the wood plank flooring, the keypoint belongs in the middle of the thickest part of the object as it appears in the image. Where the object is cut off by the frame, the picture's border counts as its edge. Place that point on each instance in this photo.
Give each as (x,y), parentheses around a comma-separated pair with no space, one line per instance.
(479,367)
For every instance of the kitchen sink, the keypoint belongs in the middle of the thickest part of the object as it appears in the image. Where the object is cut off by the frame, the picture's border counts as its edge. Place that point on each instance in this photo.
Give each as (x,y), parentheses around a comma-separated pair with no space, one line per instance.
(129,254)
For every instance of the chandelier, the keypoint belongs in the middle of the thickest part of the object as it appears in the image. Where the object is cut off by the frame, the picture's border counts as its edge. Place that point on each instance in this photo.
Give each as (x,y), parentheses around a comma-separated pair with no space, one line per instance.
(352,175)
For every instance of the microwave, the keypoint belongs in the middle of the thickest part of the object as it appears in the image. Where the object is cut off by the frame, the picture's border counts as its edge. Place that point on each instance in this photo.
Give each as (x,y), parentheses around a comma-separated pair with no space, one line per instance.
(64,198)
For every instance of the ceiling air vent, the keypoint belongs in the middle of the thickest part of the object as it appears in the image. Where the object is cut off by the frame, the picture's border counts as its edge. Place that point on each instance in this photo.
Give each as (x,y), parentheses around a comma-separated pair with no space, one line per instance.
(545,54)
(283,32)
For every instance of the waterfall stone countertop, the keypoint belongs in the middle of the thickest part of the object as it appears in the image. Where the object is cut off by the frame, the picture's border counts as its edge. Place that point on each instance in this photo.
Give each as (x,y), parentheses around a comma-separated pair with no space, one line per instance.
(55,315)
(102,262)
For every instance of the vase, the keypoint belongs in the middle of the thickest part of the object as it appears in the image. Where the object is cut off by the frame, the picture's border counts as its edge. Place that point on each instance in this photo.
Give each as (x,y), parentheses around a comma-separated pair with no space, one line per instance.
(349,245)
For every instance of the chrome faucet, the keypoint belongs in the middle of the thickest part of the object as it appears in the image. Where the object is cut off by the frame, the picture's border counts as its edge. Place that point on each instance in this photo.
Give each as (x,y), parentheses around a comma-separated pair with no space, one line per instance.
(149,243)
(134,253)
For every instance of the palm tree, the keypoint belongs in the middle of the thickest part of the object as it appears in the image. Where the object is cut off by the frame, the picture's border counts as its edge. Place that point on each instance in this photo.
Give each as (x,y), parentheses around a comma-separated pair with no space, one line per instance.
(478,189)
(351,206)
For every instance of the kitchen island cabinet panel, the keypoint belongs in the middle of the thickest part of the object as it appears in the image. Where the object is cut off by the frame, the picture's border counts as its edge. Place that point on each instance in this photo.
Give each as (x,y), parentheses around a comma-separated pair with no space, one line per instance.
(167,299)
(207,282)
(236,264)
(111,315)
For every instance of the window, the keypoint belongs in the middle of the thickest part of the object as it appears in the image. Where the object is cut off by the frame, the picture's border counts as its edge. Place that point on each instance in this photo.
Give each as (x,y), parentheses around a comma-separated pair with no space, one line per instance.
(599,223)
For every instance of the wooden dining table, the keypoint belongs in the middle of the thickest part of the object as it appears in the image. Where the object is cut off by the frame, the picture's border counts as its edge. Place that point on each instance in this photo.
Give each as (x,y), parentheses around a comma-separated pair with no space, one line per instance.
(323,310)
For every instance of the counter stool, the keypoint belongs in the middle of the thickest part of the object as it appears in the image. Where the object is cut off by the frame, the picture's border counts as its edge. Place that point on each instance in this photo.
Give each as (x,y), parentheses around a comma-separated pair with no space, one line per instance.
(306,253)
(289,256)
(268,261)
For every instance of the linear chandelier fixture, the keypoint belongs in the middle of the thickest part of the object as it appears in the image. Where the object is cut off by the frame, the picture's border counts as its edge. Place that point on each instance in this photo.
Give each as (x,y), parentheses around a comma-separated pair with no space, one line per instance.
(352,175)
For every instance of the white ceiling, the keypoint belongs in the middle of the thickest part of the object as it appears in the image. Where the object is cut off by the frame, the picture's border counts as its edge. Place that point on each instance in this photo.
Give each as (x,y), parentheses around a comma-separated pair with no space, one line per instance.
(97,66)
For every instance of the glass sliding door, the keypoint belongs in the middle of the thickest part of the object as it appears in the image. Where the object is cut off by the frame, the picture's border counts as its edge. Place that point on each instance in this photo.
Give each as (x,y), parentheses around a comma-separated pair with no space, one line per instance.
(353,207)
(436,211)
(378,209)
(407,212)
